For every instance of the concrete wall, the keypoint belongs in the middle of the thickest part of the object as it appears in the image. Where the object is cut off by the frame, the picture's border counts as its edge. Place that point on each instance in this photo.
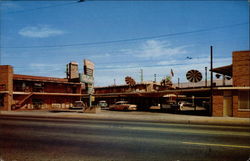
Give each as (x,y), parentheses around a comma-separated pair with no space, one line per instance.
(6,83)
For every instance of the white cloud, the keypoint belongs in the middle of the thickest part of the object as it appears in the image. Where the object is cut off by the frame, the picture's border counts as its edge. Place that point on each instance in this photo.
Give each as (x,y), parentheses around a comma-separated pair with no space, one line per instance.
(100,56)
(169,62)
(118,67)
(41,31)
(155,48)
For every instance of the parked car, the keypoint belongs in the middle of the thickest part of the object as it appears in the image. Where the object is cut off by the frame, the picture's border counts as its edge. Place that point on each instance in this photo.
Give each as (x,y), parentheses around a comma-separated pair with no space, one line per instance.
(170,107)
(78,105)
(206,104)
(103,104)
(123,106)
(185,103)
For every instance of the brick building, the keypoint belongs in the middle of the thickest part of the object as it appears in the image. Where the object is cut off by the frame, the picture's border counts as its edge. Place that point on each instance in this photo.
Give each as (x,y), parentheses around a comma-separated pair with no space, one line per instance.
(33,92)
(234,100)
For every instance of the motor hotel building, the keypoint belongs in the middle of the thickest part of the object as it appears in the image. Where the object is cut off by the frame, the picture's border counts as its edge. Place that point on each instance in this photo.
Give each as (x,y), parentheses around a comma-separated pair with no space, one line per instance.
(22,92)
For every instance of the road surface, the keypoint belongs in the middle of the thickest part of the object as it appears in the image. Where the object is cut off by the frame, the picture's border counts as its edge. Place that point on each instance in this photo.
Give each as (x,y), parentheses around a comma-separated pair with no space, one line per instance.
(54,139)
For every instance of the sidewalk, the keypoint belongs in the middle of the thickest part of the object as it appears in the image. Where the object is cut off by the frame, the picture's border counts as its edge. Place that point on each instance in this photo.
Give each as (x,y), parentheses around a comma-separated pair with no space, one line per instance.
(135,116)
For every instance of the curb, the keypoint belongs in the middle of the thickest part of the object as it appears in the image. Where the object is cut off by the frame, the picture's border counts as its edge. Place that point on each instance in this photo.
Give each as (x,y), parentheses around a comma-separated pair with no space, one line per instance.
(168,118)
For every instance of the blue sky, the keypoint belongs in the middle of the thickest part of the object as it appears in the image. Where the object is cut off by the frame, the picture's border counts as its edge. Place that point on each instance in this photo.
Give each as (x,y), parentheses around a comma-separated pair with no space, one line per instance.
(40,38)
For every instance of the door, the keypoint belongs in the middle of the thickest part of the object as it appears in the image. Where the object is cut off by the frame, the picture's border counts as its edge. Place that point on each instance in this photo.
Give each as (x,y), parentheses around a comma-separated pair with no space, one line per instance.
(228,104)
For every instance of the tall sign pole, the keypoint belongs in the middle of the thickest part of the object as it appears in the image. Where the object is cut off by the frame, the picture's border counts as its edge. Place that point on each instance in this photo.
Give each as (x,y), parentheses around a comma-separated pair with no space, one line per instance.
(88,78)
(211,81)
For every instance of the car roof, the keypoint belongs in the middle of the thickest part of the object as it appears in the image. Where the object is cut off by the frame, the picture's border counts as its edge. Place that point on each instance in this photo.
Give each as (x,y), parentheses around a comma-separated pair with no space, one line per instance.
(122,102)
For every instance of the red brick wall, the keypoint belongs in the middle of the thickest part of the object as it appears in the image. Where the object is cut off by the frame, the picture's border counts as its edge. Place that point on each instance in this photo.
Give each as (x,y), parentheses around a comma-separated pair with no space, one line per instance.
(218,103)
(241,78)
(236,111)
(6,83)
(58,88)
(245,114)
(241,68)
(235,105)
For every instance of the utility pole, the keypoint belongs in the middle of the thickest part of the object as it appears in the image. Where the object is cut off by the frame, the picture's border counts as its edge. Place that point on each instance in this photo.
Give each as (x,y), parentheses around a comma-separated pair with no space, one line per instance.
(178,82)
(211,81)
(205,76)
(223,80)
(155,78)
(114,82)
(141,75)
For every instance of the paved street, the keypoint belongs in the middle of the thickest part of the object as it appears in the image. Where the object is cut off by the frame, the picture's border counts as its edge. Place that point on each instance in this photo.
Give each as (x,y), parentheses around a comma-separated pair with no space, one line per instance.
(57,139)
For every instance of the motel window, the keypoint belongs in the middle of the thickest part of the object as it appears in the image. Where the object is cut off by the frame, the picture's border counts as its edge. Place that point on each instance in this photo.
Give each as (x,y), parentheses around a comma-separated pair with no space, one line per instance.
(37,103)
(1,100)
(244,100)
(74,90)
(38,87)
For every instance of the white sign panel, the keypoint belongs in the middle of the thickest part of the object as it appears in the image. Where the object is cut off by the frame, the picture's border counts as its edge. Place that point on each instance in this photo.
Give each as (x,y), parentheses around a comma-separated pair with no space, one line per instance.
(86,79)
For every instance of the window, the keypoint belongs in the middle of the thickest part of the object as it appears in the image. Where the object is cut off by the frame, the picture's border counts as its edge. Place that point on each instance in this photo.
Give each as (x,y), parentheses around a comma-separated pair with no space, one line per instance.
(1,100)
(38,87)
(244,99)
(74,90)
(37,103)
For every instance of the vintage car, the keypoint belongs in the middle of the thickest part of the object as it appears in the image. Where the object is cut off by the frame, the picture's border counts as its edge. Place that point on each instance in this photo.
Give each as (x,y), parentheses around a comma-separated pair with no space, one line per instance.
(185,103)
(103,104)
(78,105)
(123,106)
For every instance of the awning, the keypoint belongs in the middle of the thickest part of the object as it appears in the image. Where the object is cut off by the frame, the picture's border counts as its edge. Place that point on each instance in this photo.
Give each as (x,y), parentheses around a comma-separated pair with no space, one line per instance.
(224,70)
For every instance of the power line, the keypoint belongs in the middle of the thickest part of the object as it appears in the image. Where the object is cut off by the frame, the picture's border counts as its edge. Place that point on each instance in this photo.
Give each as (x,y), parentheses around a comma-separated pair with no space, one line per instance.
(110,68)
(128,40)
(39,8)
(142,66)
(139,66)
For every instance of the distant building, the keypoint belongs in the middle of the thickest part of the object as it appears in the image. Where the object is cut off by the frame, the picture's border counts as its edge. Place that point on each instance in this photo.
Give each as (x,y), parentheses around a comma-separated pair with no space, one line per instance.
(217,82)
